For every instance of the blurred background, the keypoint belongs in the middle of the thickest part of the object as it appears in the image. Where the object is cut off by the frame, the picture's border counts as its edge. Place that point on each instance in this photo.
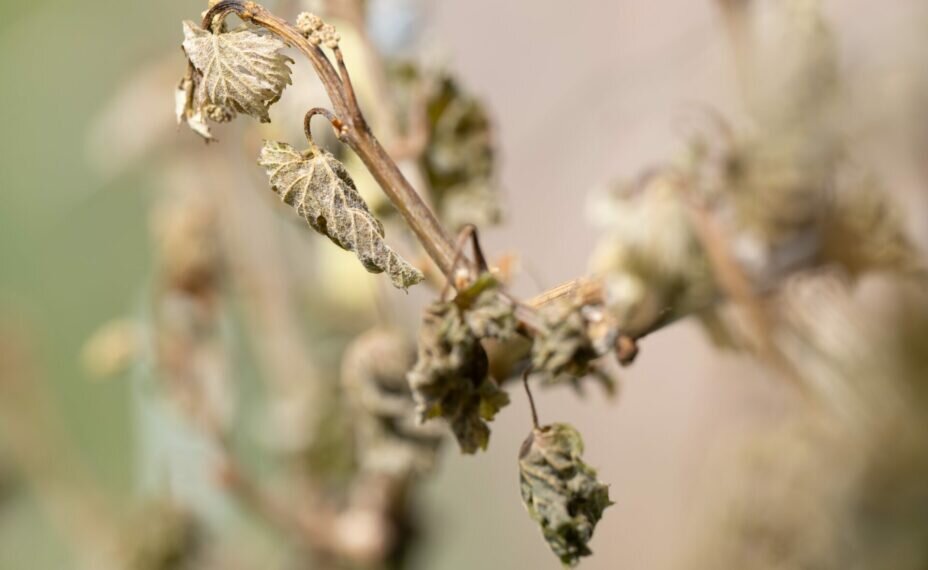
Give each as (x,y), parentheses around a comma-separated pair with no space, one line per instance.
(579,94)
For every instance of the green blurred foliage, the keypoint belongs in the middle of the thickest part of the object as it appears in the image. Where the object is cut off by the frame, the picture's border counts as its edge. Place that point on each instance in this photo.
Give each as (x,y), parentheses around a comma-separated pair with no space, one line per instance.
(73,248)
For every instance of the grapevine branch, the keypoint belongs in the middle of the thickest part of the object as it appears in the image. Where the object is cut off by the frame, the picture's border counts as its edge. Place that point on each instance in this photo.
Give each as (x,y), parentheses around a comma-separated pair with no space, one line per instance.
(353,130)
(356,133)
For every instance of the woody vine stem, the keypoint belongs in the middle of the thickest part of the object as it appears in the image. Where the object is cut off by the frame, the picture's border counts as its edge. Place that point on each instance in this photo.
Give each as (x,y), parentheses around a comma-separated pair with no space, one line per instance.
(352,129)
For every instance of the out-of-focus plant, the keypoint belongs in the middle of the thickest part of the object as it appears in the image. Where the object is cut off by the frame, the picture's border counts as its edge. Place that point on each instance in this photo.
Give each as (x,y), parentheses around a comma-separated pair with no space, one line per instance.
(761,229)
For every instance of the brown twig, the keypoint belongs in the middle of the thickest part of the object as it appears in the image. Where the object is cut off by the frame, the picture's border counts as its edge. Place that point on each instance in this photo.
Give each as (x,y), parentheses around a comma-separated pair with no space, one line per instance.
(531,399)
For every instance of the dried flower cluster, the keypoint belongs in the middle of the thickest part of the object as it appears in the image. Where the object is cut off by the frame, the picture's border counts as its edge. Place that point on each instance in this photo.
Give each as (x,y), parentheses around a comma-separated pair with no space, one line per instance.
(317,31)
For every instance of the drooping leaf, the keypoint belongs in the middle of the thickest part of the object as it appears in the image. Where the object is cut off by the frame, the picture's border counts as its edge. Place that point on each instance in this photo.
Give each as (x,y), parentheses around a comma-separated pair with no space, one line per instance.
(451,379)
(187,110)
(560,491)
(319,187)
(236,72)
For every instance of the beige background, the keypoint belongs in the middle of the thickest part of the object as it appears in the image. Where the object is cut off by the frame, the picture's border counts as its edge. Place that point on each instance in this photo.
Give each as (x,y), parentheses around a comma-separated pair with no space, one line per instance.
(583,91)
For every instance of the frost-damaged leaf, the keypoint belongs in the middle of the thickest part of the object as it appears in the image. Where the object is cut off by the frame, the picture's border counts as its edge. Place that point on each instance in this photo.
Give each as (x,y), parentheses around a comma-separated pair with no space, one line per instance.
(573,337)
(319,188)
(451,379)
(237,72)
(560,491)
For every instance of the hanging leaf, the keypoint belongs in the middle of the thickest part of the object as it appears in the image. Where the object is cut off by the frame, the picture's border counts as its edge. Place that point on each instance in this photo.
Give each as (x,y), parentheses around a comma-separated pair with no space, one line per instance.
(186,109)
(560,491)
(451,379)
(236,72)
(319,187)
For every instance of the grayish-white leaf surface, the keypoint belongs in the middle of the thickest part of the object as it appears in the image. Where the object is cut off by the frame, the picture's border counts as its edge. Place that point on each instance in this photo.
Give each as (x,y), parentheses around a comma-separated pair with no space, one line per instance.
(242,71)
(319,188)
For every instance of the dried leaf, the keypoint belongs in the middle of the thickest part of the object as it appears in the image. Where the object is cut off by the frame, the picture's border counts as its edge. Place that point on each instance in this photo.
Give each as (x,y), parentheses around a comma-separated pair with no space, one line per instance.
(186,109)
(560,491)
(388,437)
(237,72)
(451,379)
(459,159)
(320,189)
(574,336)
(487,314)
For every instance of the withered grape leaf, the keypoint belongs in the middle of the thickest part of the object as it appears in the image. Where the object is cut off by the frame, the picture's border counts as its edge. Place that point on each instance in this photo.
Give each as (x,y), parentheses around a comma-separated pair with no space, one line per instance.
(450,379)
(319,187)
(186,109)
(560,491)
(573,336)
(239,71)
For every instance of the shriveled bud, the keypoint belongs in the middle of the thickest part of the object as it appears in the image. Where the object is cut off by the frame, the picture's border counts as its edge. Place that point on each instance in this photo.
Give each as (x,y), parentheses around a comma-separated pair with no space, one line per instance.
(329,36)
(308,23)
(317,31)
